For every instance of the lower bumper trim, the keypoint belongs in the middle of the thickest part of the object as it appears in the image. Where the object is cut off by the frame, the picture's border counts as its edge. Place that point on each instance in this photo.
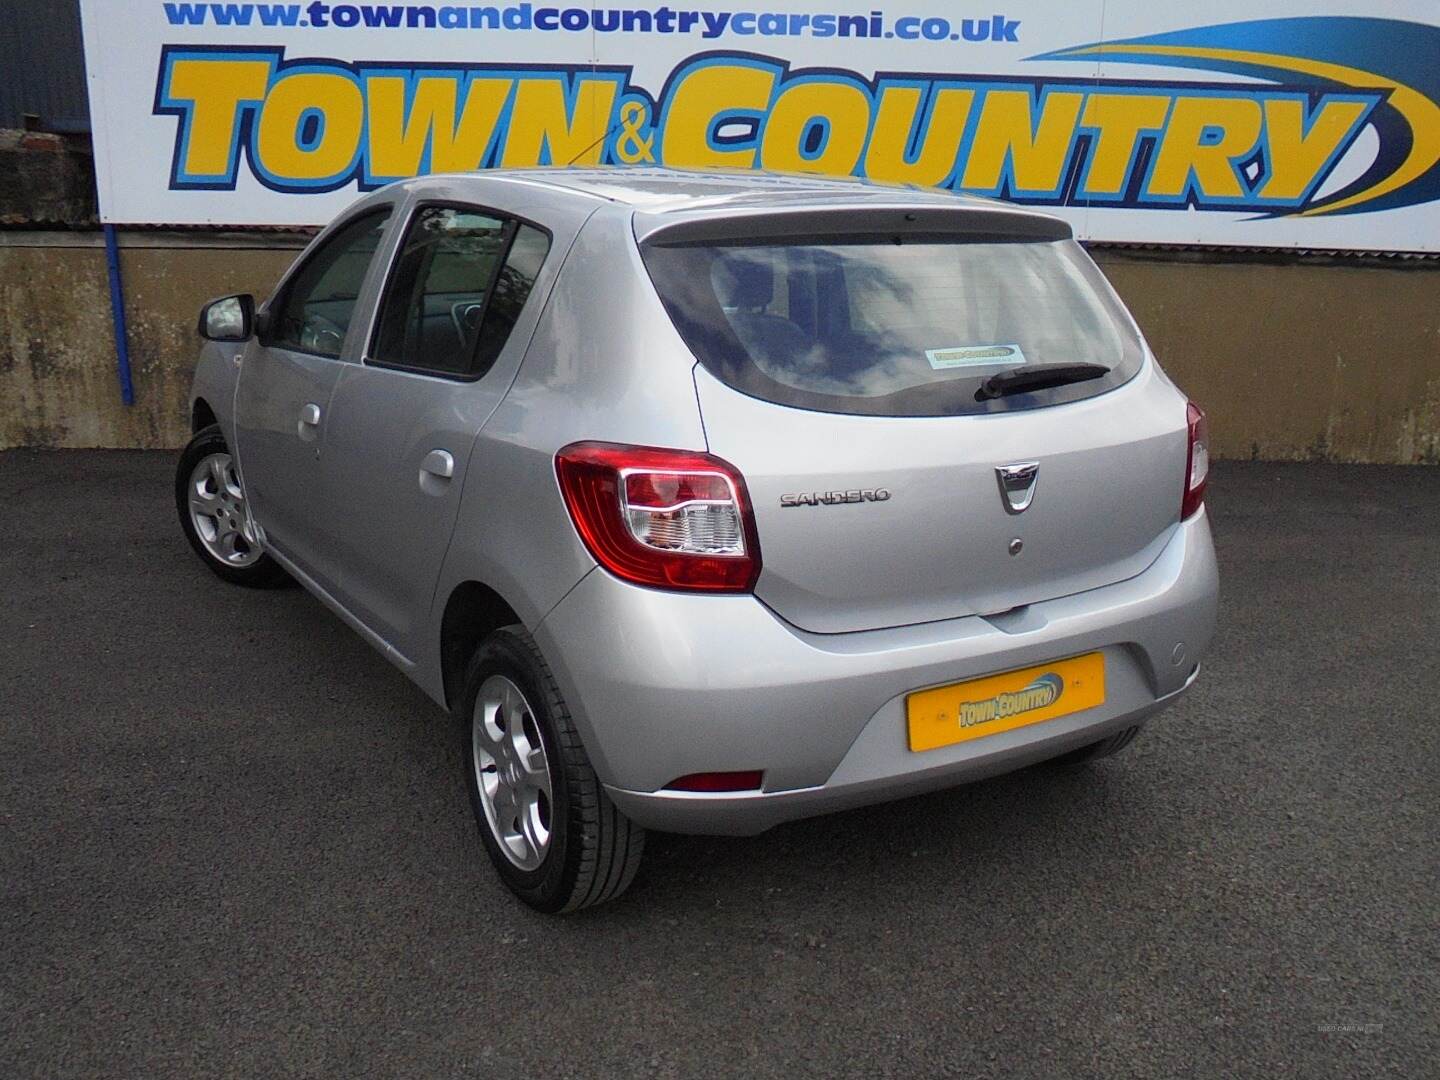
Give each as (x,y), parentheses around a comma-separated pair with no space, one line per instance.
(749,813)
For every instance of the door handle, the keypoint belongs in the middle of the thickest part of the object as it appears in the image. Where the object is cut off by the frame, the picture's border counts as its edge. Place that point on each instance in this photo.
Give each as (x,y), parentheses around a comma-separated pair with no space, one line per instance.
(309,426)
(438,463)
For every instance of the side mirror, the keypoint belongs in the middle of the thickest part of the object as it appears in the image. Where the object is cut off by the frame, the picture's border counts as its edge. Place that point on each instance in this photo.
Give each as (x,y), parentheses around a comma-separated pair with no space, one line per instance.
(231,318)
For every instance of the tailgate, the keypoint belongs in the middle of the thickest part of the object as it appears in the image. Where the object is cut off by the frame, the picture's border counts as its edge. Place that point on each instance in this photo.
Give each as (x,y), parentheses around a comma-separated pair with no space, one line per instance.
(1105,501)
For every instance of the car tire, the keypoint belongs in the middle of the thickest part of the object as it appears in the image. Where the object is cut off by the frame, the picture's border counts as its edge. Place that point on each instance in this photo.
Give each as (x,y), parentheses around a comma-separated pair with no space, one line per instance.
(211,505)
(1106,747)
(554,836)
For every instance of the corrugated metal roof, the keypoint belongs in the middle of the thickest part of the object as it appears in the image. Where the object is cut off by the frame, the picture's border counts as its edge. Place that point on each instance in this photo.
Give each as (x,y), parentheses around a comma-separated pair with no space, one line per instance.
(42,65)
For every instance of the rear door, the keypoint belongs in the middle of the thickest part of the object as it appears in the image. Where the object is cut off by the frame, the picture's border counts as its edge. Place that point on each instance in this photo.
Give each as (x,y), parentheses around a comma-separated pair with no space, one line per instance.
(845,371)
(286,379)
(402,424)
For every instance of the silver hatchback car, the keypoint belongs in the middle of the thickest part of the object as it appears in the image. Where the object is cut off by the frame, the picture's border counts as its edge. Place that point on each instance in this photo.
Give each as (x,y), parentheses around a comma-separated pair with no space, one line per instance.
(712,501)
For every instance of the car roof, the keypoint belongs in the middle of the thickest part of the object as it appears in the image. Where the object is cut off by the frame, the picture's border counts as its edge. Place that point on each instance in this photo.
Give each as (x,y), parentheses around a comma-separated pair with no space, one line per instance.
(657,190)
(662,197)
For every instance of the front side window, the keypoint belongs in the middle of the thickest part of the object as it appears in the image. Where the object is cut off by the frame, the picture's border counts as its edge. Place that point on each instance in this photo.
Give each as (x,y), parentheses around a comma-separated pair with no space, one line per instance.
(314,313)
(457,287)
(893,325)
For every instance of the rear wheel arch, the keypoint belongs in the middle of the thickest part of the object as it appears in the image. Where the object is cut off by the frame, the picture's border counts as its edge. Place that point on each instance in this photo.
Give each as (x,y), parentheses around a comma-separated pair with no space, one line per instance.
(473,611)
(201,415)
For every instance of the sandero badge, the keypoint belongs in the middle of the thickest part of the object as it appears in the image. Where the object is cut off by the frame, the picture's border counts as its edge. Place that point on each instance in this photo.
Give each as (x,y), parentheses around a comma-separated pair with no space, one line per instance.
(834,498)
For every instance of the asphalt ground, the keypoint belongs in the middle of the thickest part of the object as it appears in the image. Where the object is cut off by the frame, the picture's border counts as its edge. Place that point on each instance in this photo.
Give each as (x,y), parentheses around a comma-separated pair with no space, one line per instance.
(235,842)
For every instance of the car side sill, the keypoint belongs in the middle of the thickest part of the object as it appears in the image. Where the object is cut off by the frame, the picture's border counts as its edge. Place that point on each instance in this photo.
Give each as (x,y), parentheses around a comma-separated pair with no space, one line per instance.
(394,655)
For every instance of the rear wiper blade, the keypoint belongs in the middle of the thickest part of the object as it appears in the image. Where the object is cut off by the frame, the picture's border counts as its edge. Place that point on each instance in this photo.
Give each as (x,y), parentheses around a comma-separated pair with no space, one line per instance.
(1022,380)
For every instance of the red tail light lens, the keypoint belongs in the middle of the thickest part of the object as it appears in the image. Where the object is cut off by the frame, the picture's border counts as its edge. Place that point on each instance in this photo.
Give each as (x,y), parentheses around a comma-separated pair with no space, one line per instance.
(718,781)
(1197,461)
(670,519)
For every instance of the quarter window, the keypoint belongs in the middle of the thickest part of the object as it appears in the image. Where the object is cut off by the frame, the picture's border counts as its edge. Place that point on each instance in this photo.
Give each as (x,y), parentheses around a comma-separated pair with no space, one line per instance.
(315,310)
(512,289)
(459,283)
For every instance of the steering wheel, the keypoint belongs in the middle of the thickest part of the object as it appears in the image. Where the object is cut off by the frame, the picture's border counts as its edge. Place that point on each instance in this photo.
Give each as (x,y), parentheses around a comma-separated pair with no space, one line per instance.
(321,335)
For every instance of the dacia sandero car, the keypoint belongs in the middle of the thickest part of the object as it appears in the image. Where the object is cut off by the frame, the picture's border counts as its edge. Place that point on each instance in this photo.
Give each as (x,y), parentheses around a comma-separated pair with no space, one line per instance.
(710,501)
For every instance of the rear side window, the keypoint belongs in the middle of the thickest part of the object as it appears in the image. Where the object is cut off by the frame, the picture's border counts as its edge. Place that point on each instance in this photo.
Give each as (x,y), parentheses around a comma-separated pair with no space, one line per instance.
(459,282)
(511,290)
(892,325)
(314,312)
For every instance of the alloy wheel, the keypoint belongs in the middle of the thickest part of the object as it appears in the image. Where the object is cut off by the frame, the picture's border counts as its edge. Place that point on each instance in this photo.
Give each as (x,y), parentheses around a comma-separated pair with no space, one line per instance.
(512,772)
(217,510)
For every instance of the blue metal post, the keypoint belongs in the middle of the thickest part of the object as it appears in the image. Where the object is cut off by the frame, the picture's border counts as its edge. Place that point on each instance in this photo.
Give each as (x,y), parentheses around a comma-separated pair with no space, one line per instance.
(117,311)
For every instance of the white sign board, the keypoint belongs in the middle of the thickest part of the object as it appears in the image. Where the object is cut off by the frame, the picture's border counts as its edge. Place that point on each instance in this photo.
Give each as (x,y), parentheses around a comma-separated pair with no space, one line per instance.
(1261,123)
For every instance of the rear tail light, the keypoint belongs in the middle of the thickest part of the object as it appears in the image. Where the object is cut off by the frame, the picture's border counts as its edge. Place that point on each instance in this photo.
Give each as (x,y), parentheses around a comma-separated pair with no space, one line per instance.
(1197,461)
(670,519)
(718,781)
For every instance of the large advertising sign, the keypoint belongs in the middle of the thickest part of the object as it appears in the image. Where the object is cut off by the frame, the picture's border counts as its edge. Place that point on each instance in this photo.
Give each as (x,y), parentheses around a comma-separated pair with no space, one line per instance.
(1247,122)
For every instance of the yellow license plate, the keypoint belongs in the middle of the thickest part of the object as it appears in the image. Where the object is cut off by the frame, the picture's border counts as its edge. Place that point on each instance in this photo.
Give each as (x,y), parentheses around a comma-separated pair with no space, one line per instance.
(987,706)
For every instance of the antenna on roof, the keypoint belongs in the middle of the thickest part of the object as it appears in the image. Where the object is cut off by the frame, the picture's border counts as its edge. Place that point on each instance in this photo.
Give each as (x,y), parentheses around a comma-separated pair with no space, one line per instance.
(594,144)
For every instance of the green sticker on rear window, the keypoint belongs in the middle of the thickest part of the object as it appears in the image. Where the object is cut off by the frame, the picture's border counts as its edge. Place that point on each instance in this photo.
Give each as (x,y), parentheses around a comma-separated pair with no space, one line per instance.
(965,356)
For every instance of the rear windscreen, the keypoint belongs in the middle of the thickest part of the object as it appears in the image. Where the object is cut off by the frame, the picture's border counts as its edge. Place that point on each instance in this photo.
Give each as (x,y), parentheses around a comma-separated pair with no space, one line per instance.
(892,325)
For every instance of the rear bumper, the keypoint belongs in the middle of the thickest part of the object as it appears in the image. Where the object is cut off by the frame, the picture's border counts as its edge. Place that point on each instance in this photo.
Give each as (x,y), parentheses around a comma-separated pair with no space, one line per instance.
(747,813)
(665,684)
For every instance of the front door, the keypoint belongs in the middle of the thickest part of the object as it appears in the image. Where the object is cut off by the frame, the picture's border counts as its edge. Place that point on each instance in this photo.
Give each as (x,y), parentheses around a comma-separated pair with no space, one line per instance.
(402,424)
(287,378)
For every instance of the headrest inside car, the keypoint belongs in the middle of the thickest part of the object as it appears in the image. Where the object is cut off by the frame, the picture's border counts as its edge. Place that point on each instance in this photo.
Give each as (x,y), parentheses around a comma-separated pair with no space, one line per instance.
(744,280)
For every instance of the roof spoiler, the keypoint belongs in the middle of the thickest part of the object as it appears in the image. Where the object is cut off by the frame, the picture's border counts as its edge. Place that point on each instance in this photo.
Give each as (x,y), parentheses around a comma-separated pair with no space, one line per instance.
(851,223)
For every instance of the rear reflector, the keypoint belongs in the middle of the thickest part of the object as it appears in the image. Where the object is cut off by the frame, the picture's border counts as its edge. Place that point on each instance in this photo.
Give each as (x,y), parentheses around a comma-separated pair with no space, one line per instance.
(1197,461)
(718,781)
(670,519)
